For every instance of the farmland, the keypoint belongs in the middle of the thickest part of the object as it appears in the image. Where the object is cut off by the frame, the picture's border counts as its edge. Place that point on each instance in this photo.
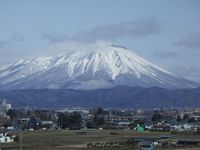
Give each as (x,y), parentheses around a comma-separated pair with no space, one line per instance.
(79,140)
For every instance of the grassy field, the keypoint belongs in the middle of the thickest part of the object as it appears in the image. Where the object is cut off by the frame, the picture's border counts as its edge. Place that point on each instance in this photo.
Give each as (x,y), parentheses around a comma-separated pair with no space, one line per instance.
(72,140)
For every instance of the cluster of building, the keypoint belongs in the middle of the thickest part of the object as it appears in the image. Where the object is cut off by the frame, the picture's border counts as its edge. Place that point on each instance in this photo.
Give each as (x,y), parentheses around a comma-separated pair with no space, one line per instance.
(187,120)
(174,120)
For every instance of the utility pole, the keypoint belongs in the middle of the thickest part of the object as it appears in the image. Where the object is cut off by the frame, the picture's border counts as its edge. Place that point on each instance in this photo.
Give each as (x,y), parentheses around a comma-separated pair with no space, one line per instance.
(118,135)
(21,140)
(21,135)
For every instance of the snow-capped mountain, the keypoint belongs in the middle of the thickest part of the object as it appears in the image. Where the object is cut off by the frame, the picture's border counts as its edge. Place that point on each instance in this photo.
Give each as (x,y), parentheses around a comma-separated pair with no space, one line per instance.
(103,68)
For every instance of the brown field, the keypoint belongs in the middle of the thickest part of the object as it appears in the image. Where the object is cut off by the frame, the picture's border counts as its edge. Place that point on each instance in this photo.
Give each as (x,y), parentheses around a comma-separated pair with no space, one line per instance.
(72,140)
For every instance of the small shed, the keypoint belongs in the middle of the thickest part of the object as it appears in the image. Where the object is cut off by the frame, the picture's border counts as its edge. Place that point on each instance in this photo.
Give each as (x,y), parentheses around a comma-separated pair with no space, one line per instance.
(140,129)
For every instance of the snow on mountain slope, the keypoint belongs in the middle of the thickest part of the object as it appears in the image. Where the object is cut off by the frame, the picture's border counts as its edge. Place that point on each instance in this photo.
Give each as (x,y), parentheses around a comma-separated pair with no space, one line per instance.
(102,68)
(22,68)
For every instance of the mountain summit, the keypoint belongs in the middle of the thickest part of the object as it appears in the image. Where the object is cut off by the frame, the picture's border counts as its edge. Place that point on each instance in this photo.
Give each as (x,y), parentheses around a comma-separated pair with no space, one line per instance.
(105,67)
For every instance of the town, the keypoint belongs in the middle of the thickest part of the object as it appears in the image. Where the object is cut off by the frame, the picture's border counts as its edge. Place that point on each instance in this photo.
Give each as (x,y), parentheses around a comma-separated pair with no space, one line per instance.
(165,123)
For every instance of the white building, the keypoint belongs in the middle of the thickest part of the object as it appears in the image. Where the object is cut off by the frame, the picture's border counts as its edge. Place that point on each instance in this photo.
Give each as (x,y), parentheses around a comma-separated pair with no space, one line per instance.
(4,107)
(6,139)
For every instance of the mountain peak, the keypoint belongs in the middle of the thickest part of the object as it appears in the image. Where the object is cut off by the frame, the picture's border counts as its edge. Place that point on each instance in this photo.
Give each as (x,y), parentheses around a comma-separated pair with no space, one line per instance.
(103,66)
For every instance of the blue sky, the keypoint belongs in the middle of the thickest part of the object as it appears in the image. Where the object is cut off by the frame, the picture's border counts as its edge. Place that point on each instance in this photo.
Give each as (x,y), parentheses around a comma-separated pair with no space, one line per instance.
(166,32)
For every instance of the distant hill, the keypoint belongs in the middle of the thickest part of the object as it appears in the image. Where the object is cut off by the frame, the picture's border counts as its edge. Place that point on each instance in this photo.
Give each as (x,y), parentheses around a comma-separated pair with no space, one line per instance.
(118,97)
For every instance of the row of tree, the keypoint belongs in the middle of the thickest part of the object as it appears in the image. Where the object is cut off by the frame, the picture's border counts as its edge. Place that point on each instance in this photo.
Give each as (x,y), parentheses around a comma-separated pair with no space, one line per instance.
(71,121)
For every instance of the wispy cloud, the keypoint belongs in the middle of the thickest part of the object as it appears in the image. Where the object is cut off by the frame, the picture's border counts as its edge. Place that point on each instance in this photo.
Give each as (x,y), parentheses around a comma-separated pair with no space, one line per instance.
(55,37)
(73,46)
(165,54)
(133,29)
(16,37)
(3,43)
(191,72)
(190,41)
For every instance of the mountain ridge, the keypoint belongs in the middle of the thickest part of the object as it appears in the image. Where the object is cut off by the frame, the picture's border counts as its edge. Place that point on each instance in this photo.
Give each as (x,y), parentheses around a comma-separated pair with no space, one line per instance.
(116,97)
